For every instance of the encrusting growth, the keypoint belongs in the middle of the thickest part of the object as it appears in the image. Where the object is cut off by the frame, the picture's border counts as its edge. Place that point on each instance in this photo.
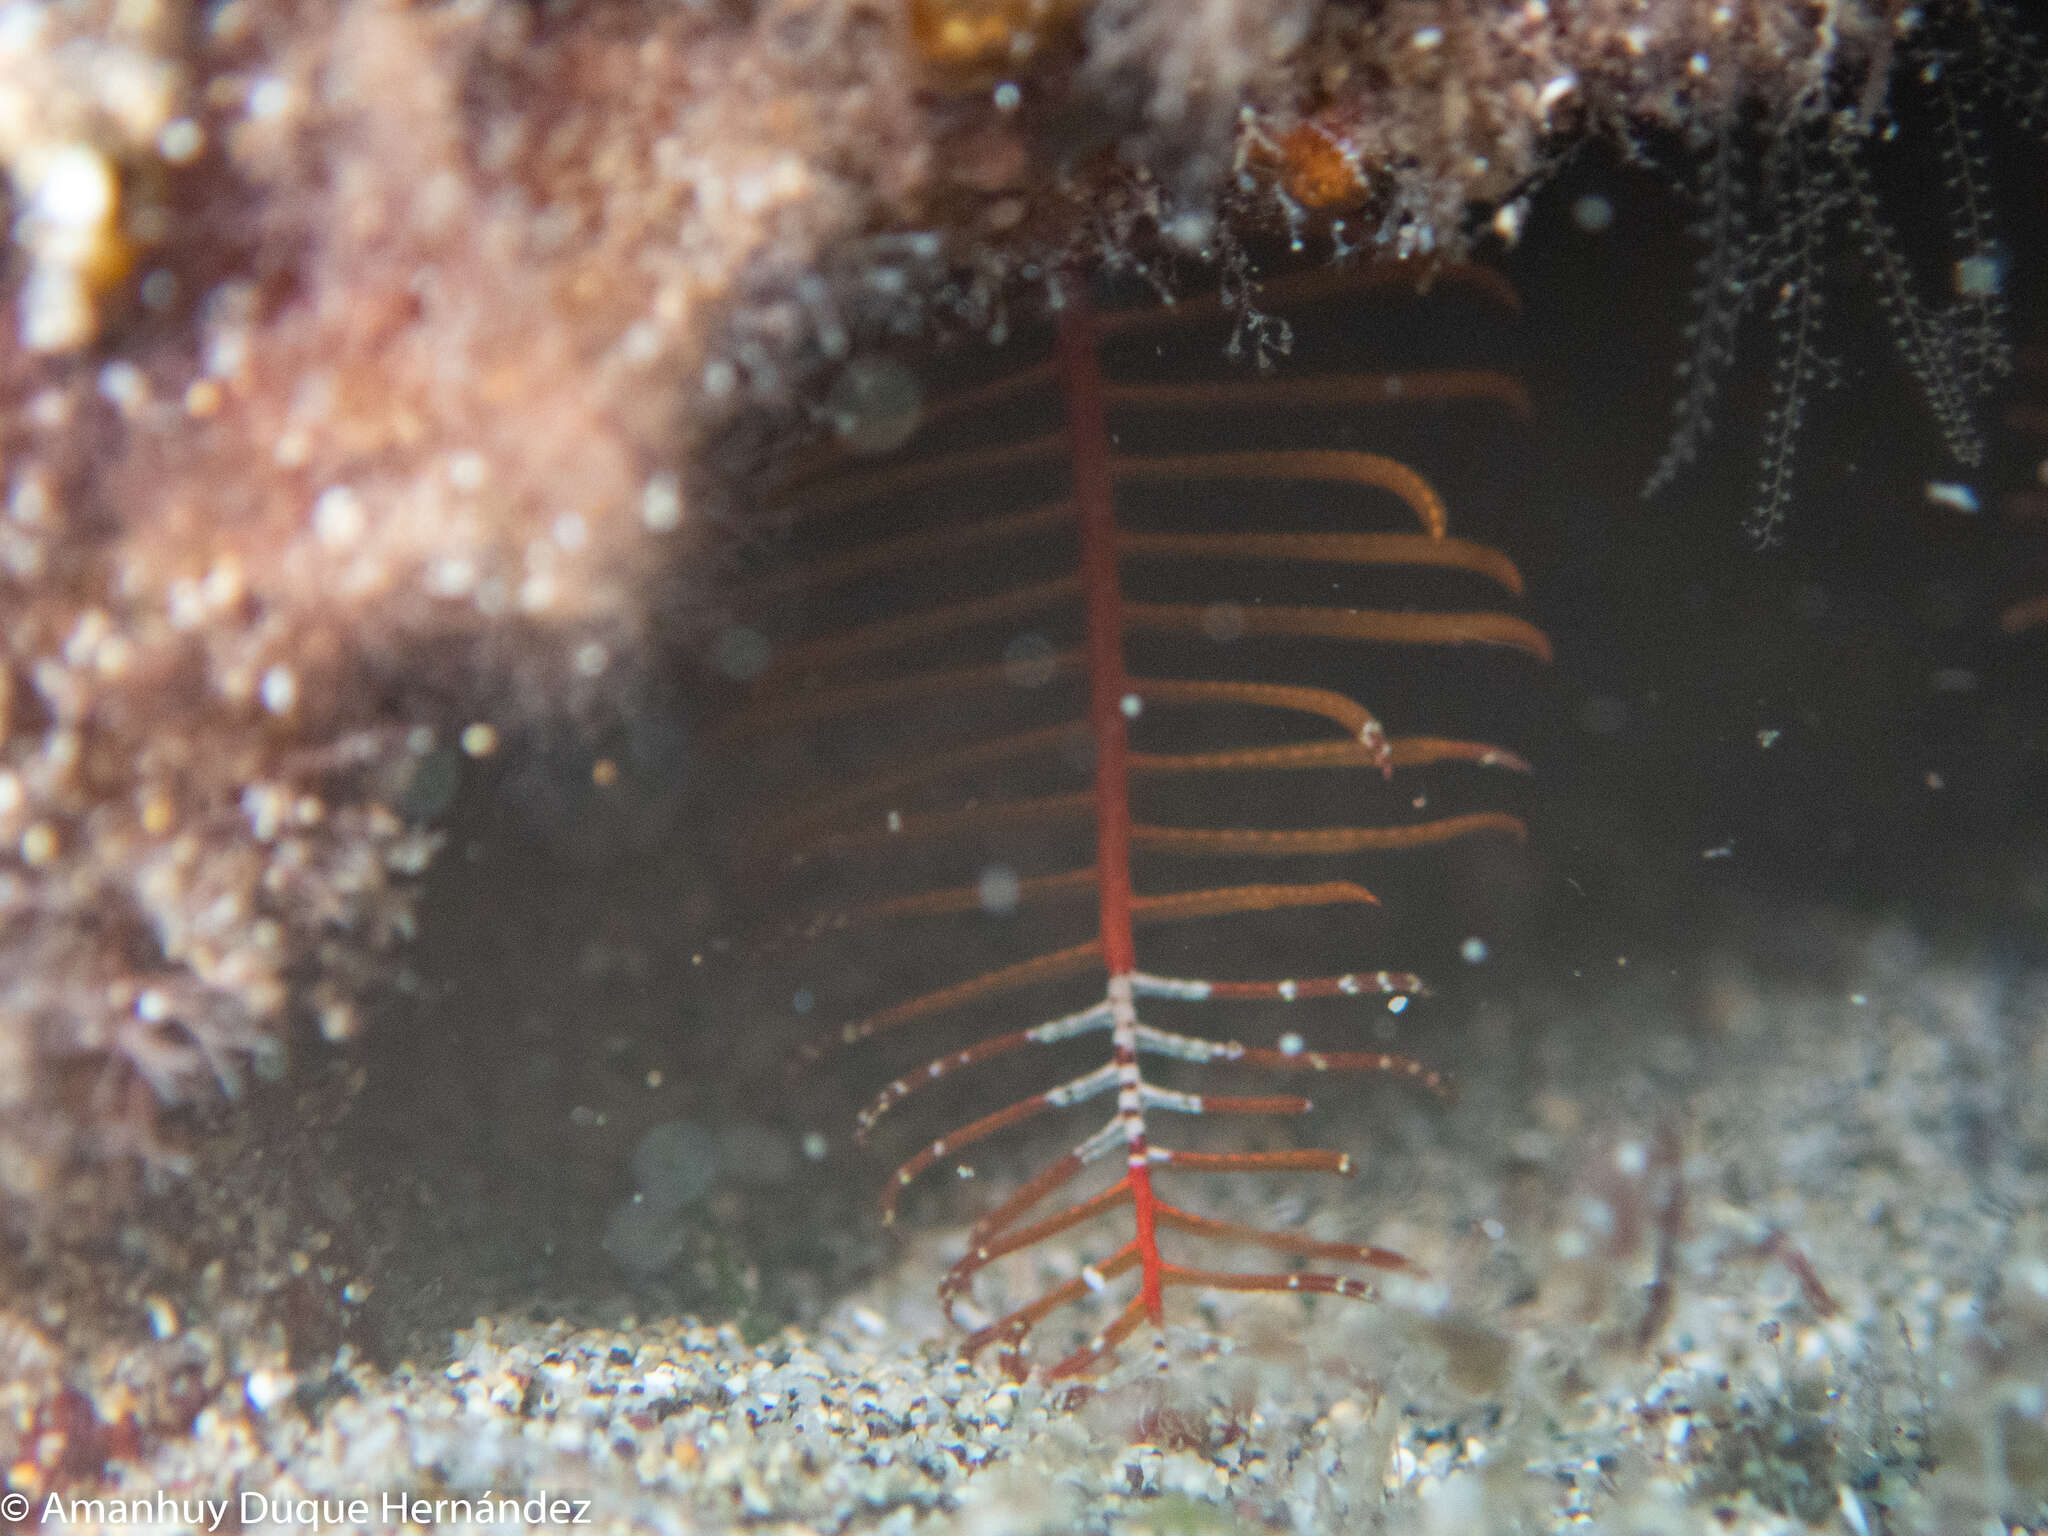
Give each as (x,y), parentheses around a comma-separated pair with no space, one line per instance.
(810,683)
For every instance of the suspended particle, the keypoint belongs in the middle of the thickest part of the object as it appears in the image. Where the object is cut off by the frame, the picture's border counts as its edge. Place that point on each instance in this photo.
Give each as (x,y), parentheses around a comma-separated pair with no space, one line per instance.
(1593,213)
(180,140)
(1981,276)
(480,739)
(338,517)
(661,504)
(1555,90)
(467,471)
(339,1022)
(39,845)
(279,690)
(1473,951)
(1953,495)
(999,890)
(1190,229)
(875,405)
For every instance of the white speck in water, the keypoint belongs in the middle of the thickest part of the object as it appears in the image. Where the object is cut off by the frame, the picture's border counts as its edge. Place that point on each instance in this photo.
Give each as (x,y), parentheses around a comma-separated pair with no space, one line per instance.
(661,503)
(77,190)
(999,890)
(467,471)
(279,690)
(122,384)
(1473,951)
(180,141)
(338,517)
(1555,90)
(1593,213)
(875,405)
(1191,230)
(269,97)
(163,1317)
(451,577)
(1953,495)
(1981,276)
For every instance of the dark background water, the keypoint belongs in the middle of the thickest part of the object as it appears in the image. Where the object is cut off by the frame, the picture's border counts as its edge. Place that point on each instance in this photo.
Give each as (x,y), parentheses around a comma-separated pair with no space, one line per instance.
(1867,641)
(582,975)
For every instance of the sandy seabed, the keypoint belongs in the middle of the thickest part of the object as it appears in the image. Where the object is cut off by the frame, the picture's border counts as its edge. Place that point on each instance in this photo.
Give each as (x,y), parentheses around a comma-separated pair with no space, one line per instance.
(1840,1179)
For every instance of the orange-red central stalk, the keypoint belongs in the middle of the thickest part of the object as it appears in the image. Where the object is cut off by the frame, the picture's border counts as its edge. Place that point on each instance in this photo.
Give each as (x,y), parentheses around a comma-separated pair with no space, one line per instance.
(1095,499)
